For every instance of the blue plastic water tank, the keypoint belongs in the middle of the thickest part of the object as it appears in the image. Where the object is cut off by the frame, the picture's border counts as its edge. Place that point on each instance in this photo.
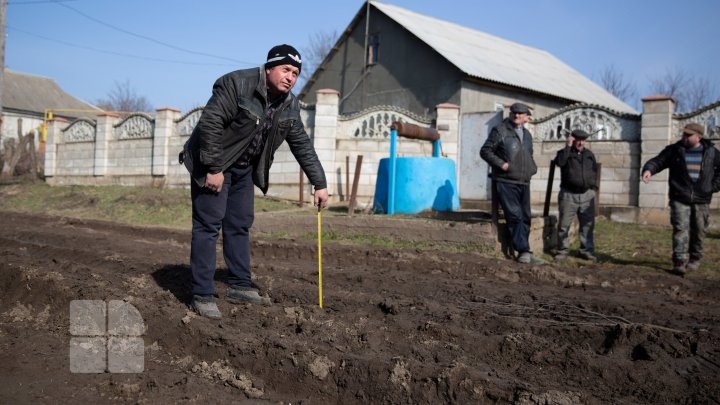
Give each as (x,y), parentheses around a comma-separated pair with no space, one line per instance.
(421,183)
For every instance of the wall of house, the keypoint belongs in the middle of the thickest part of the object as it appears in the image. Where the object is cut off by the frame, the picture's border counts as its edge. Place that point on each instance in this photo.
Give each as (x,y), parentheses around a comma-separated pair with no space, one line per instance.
(409,74)
(478,97)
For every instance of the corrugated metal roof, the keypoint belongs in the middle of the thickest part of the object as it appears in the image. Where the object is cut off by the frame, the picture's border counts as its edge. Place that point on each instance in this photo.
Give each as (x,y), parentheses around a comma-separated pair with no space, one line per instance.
(496,59)
(26,92)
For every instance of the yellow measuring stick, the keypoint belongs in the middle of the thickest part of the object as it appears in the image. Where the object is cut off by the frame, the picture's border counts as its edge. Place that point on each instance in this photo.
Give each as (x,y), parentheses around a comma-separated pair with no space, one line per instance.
(320,255)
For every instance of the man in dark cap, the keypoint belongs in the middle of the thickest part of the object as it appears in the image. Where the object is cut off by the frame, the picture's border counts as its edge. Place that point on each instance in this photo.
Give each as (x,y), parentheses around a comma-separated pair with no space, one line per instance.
(250,113)
(694,165)
(578,183)
(509,151)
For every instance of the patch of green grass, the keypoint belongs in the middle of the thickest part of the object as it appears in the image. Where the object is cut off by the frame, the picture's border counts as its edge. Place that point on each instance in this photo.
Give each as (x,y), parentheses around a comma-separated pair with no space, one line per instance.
(145,206)
(390,243)
(648,246)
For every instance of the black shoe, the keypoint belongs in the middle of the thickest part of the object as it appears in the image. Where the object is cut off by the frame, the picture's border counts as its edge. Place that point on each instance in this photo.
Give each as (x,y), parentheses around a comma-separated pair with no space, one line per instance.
(588,256)
(679,268)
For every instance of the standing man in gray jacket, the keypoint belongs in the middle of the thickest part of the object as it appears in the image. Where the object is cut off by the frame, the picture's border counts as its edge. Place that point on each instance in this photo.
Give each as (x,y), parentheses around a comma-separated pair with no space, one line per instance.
(250,114)
(509,151)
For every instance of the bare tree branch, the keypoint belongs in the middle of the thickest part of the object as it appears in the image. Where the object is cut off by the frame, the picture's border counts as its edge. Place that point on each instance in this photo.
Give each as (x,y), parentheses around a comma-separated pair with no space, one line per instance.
(123,98)
(673,83)
(700,93)
(615,82)
(319,46)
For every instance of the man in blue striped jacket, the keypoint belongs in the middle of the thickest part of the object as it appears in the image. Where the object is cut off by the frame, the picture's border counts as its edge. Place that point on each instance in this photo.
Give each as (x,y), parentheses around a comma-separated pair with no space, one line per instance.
(694,165)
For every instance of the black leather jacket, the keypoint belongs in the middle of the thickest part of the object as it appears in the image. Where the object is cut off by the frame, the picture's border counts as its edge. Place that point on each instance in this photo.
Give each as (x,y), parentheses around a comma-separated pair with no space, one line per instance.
(682,188)
(503,145)
(229,121)
(578,171)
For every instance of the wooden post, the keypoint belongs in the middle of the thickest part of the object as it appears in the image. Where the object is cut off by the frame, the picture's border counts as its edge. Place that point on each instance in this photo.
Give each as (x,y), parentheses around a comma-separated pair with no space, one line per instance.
(356,180)
(597,192)
(302,186)
(548,191)
(494,205)
(347,177)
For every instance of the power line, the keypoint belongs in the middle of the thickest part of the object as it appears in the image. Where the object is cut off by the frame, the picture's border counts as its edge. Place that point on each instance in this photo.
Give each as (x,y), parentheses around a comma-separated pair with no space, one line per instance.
(124,31)
(14,3)
(116,53)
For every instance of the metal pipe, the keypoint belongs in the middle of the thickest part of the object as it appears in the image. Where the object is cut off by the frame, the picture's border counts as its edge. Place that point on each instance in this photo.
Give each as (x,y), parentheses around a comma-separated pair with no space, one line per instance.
(416,132)
(391,173)
(436,148)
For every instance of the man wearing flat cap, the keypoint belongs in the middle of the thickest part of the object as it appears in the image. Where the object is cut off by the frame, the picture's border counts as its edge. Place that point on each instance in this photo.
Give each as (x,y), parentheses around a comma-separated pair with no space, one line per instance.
(578,182)
(249,115)
(509,151)
(694,165)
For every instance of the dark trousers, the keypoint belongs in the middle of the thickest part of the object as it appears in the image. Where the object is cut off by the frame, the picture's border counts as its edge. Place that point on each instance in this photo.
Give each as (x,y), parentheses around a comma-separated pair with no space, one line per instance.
(232,209)
(515,202)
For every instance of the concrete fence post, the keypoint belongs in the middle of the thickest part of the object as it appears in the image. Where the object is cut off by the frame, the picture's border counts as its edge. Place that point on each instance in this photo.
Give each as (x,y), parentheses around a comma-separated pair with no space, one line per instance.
(448,125)
(164,129)
(326,126)
(103,134)
(52,140)
(655,135)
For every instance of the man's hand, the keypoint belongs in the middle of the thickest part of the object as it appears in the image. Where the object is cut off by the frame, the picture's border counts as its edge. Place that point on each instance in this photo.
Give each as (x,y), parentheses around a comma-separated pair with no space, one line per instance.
(214,181)
(570,140)
(646,176)
(321,198)
(505,166)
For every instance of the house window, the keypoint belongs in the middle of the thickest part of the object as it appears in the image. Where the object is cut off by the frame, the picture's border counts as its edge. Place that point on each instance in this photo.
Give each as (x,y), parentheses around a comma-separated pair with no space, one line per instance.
(372,51)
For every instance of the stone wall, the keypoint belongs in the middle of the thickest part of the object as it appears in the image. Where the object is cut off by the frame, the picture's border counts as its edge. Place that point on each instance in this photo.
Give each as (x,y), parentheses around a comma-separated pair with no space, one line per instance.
(615,143)
(143,149)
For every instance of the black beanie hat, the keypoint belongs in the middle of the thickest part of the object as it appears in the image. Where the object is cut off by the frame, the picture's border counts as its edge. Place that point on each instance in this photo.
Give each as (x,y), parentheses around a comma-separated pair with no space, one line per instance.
(283,55)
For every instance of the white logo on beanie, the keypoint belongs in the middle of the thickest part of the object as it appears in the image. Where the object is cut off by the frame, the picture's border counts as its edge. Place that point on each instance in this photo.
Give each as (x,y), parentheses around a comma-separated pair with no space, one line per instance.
(296,58)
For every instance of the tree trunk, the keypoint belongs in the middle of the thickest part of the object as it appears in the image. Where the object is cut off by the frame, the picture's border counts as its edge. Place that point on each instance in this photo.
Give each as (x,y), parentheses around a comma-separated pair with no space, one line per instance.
(14,152)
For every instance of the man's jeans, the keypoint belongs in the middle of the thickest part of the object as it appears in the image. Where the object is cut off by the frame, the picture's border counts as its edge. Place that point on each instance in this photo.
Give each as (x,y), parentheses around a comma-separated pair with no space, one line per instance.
(689,222)
(515,202)
(582,205)
(232,209)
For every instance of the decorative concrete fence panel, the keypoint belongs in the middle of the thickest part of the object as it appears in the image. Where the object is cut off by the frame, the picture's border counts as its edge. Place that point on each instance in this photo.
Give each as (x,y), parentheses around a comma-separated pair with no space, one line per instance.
(615,142)
(143,149)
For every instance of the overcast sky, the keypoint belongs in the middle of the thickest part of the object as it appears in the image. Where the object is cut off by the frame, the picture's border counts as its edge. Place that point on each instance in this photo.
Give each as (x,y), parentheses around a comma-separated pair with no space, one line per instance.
(171,51)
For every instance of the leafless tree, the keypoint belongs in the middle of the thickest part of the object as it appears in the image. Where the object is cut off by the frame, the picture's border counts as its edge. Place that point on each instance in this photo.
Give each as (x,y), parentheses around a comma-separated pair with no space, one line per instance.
(319,46)
(700,93)
(689,92)
(123,98)
(615,82)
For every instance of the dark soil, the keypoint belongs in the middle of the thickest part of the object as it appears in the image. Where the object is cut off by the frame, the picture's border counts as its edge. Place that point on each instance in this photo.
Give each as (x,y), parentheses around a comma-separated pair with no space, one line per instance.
(398,326)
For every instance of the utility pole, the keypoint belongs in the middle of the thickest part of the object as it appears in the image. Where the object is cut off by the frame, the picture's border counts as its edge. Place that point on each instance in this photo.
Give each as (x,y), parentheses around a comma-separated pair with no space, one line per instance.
(3,15)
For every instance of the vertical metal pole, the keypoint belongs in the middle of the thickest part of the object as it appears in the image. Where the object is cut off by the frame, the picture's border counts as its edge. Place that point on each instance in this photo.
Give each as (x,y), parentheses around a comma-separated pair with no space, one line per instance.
(436,148)
(3,20)
(367,32)
(391,173)
(347,177)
